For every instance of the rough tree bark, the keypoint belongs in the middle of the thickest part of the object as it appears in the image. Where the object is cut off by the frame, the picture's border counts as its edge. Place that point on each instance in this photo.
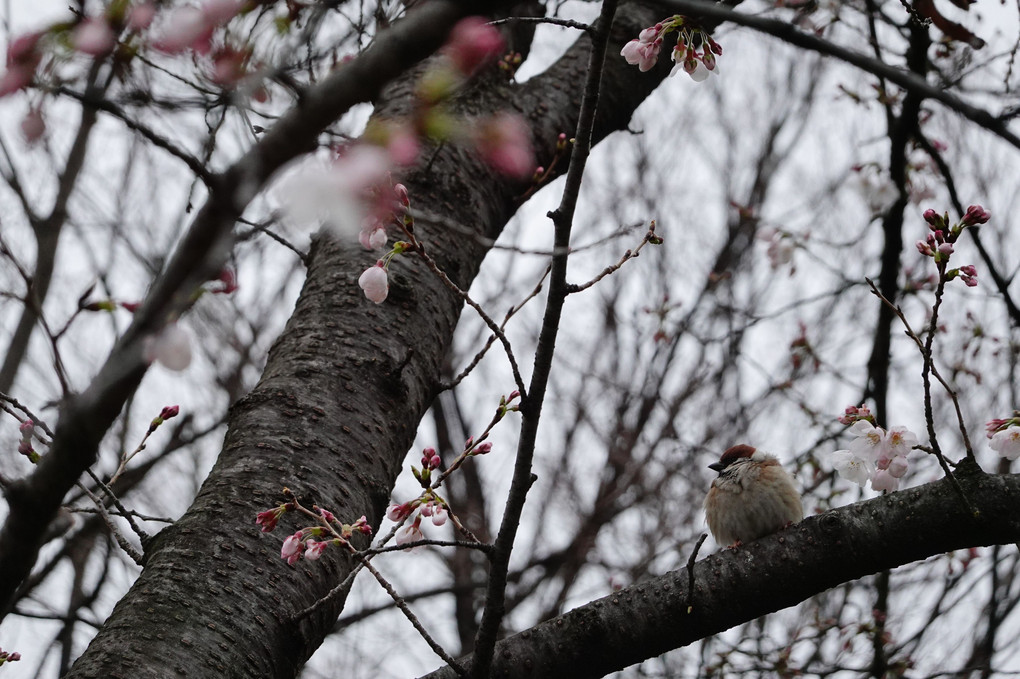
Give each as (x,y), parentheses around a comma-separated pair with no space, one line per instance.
(336,410)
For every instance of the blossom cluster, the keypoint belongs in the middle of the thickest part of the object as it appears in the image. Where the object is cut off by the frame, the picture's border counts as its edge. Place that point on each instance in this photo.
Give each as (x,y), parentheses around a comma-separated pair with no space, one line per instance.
(942,237)
(9,656)
(125,30)
(308,541)
(856,413)
(694,53)
(875,454)
(1005,436)
(356,193)
(428,505)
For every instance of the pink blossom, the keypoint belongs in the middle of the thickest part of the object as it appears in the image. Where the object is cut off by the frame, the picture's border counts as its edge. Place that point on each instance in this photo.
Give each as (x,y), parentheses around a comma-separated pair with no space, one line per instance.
(898,466)
(375,283)
(883,480)
(990,427)
(933,218)
(403,145)
(185,28)
(94,37)
(945,248)
(472,43)
(228,66)
(314,549)
(229,279)
(410,533)
(24,48)
(326,514)
(14,79)
(397,512)
(139,17)
(641,53)
(900,441)
(871,442)
(171,347)
(701,71)
(851,467)
(221,11)
(33,127)
(504,142)
(27,428)
(291,550)
(1006,443)
(439,515)
(373,238)
(483,448)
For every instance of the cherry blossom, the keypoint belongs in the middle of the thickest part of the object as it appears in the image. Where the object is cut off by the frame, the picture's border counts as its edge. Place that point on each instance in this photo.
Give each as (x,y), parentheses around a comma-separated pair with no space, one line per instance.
(375,283)
(291,550)
(852,468)
(410,533)
(504,142)
(94,36)
(398,512)
(881,479)
(314,549)
(1006,443)
(472,44)
(171,348)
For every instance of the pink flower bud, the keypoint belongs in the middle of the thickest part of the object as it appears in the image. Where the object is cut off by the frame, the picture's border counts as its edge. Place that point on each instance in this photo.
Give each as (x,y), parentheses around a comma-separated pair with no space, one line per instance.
(439,515)
(93,37)
(946,248)
(472,43)
(924,248)
(291,550)
(897,466)
(33,127)
(397,512)
(483,448)
(140,17)
(932,217)
(169,412)
(314,549)
(326,514)
(361,526)
(504,143)
(268,519)
(975,215)
(27,428)
(375,283)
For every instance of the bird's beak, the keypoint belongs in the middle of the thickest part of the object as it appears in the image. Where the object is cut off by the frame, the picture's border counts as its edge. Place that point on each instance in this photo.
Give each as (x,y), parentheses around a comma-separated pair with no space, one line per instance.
(717,466)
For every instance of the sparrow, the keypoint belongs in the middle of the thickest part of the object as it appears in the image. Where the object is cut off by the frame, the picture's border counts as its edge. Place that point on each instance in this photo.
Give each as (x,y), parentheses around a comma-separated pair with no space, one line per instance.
(752,497)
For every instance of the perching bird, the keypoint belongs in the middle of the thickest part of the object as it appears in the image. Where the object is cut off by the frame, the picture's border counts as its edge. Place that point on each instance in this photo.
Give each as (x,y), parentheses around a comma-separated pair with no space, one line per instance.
(753,496)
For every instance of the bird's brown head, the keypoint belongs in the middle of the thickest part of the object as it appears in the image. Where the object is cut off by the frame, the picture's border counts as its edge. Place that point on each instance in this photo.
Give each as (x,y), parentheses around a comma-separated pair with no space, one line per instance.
(738,452)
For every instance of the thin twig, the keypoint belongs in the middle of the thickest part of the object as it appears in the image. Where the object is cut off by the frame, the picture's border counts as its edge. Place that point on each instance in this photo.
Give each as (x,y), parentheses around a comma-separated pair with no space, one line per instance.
(690,572)
(121,540)
(928,416)
(492,338)
(434,268)
(565,23)
(629,254)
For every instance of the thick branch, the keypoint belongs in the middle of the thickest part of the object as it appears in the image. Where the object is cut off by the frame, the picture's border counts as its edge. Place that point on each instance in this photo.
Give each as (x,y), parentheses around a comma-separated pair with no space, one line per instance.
(738,585)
